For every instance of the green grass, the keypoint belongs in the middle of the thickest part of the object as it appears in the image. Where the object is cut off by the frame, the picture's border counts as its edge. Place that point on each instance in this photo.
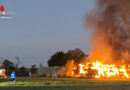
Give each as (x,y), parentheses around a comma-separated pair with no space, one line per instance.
(42,81)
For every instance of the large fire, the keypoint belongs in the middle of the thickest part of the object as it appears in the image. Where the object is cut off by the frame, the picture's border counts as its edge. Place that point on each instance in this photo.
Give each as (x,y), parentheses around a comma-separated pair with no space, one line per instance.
(99,70)
(110,40)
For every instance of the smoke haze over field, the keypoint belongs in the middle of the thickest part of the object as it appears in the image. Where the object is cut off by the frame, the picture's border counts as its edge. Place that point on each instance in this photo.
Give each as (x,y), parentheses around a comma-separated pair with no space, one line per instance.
(110,24)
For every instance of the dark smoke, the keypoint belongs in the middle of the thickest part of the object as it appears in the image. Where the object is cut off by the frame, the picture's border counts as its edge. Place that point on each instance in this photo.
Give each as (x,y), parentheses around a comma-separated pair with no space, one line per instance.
(110,23)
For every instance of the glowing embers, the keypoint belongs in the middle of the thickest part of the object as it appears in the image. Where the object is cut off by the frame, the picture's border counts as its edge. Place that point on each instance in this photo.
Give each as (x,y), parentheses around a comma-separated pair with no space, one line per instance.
(99,70)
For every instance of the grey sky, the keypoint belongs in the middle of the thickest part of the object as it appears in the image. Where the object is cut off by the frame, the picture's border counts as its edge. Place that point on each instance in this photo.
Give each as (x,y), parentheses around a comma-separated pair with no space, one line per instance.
(39,28)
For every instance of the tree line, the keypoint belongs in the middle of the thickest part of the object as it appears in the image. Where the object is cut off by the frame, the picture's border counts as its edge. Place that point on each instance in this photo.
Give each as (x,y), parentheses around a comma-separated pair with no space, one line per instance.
(20,71)
(59,58)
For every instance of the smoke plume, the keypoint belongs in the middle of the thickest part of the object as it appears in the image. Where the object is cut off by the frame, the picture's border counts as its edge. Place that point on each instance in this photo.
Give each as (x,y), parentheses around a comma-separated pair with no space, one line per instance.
(110,26)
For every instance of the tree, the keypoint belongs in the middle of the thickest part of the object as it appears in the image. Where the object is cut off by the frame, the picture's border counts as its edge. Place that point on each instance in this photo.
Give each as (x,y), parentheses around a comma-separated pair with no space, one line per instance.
(61,58)
(56,59)
(8,66)
(40,65)
(33,69)
(77,55)
(22,71)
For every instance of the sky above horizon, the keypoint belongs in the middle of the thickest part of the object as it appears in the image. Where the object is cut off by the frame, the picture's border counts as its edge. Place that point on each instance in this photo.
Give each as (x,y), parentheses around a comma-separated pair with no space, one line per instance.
(39,28)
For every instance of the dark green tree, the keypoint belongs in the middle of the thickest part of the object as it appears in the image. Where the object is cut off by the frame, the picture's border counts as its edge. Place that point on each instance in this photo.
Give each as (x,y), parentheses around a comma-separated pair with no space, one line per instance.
(77,55)
(56,59)
(8,66)
(61,58)
(22,71)
(33,69)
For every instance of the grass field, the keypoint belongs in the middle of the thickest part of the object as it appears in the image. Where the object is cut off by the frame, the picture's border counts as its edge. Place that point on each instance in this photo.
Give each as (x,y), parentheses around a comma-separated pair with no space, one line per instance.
(65,83)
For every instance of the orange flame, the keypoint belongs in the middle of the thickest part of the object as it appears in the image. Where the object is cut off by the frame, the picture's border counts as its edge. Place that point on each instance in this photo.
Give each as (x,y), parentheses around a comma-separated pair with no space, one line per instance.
(104,70)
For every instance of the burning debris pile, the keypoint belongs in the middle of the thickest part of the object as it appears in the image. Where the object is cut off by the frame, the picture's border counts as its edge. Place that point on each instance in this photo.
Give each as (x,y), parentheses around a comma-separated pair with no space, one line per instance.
(109,23)
(98,70)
